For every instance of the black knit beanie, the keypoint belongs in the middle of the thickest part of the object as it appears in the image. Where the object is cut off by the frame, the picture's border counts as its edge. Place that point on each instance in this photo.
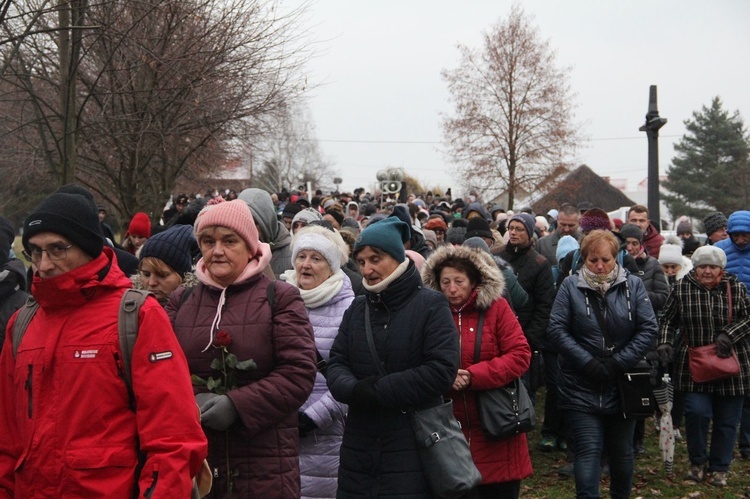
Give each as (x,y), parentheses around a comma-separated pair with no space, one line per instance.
(70,215)
(175,247)
(478,227)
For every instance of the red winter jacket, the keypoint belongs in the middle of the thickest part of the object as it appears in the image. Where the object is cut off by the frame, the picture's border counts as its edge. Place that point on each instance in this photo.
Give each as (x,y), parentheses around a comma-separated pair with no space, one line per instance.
(504,356)
(66,424)
(652,241)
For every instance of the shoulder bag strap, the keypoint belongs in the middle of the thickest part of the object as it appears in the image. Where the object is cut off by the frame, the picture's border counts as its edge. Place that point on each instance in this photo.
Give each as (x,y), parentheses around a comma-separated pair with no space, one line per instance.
(729,299)
(371,341)
(602,320)
(478,341)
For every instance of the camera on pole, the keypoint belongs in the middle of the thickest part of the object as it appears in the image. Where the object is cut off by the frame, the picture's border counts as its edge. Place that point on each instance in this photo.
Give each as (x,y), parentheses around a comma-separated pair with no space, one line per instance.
(390,180)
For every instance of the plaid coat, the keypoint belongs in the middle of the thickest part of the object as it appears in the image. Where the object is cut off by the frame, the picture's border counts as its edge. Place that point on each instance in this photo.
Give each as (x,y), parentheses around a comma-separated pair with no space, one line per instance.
(700,315)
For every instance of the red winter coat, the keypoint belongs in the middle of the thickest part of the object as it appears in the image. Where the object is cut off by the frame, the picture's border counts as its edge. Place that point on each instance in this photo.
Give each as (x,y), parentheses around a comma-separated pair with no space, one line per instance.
(66,424)
(264,442)
(504,356)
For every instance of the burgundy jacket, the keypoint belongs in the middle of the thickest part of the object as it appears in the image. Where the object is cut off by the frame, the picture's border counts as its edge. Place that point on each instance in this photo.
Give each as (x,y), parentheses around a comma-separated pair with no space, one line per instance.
(264,443)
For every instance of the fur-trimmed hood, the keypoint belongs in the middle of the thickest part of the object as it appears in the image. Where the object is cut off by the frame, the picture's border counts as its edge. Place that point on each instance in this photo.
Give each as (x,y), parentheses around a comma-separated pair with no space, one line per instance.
(492,284)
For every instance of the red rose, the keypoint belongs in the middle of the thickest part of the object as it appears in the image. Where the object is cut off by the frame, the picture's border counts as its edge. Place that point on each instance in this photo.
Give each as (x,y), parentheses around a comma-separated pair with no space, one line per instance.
(222,339)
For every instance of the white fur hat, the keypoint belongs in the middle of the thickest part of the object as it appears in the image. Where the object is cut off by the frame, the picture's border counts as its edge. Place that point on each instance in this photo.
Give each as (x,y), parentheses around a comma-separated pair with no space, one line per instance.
(326,242)
(670,253)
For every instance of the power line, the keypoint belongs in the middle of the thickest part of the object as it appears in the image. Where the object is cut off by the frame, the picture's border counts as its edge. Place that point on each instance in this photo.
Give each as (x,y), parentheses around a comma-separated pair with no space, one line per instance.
(432,142)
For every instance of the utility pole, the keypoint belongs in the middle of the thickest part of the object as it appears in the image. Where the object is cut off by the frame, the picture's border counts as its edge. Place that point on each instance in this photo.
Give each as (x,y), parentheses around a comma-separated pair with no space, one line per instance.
(651,127)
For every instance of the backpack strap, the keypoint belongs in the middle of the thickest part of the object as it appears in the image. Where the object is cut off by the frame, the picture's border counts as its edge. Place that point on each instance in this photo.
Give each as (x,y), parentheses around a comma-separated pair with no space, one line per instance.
(25,314)
(127,330)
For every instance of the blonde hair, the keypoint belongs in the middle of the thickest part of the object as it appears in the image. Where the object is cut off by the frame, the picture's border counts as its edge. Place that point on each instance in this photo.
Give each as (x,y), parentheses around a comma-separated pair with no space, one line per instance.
(158,267)
(595,238)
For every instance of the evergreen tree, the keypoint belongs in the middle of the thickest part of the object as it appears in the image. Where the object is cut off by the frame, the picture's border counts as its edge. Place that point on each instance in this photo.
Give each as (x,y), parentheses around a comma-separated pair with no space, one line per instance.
(711,171)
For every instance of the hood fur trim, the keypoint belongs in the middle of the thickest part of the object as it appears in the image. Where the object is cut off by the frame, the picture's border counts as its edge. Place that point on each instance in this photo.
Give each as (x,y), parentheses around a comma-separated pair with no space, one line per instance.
(492,284)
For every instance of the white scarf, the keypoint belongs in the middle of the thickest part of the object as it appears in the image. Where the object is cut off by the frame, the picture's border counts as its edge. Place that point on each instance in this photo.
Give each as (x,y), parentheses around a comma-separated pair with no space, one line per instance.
(322,293)
(379,287)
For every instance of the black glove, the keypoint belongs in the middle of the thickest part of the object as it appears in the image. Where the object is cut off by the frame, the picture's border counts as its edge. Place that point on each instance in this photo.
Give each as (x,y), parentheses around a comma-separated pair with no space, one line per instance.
(218,413)
(305,425)
(364,395)
(614,370)
(655,370)
(666,352)
(723,346)
(596,372)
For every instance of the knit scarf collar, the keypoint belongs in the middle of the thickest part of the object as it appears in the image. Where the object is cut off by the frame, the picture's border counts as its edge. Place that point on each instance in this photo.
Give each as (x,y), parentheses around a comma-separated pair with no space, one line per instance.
(380,287)
(321,294)
(600,282)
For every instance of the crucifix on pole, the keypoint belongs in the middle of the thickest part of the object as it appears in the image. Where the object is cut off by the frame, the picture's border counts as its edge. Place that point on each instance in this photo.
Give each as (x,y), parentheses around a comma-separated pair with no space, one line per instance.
(653,123)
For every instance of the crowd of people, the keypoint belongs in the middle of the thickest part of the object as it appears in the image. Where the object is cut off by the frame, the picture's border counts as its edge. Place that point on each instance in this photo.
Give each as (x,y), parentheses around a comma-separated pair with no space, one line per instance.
(287,337)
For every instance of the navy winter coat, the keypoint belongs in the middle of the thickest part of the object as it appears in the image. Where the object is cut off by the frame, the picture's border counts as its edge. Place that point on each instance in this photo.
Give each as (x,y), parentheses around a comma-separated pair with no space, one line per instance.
(574,330)
(417,343)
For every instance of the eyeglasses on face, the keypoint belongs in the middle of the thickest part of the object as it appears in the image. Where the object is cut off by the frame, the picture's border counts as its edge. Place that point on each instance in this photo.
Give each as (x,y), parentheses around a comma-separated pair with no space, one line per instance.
(55,252)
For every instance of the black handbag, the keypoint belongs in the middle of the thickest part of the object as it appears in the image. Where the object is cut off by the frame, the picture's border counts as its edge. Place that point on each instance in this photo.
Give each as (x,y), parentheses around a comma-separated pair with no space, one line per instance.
(635,387)
(506,411)
(446,458)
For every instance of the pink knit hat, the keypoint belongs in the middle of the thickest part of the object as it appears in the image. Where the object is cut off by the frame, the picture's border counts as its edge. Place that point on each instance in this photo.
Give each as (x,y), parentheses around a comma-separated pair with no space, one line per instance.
(233,215)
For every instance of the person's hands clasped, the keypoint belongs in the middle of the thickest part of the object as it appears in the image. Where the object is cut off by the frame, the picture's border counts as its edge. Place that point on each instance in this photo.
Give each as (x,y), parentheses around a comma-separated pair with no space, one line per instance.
(463,380)
(723,346)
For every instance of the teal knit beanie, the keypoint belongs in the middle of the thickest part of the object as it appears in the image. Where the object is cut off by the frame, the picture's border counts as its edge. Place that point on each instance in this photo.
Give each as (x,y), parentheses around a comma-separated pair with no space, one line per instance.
(388,234)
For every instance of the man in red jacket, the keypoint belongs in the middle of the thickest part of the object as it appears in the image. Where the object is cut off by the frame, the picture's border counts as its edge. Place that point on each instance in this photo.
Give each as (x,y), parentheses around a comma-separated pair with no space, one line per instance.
(68,426)
(652,240)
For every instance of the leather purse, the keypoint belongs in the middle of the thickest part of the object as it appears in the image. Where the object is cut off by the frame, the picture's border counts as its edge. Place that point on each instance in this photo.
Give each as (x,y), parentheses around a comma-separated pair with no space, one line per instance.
(506,411)
(446,458)
(705,365)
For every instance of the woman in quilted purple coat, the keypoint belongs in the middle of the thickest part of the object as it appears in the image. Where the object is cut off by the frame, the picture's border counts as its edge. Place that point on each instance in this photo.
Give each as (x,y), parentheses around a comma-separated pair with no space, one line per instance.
(317,256)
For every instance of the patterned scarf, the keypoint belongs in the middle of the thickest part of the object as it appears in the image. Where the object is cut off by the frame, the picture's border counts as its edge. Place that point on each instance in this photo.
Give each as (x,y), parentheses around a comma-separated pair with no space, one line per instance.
(600,282)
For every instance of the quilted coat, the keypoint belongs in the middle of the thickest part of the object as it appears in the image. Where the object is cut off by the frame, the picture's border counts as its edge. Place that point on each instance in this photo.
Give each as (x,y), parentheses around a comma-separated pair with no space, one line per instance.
(738,259)
(417,343)
(700,315)
(575,330)
(263,445)
(504,356)
(650,272)
(319,451)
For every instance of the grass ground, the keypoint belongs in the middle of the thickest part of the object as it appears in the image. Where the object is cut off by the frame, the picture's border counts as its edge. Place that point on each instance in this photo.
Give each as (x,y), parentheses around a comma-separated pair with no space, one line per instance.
(649,480)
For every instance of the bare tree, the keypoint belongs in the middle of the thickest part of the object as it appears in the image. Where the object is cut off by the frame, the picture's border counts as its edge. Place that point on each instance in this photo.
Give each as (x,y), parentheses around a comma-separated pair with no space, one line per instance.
(513,109)
(162,87)
(290,155)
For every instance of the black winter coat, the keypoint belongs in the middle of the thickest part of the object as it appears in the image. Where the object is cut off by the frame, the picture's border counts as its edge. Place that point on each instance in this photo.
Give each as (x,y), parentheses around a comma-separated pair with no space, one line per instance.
(574,330)
(12,294)
(652,275)
(535,276)
(417,343)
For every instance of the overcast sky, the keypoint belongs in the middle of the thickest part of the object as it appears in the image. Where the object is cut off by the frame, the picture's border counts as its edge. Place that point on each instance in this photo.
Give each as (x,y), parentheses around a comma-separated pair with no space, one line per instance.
(378,65)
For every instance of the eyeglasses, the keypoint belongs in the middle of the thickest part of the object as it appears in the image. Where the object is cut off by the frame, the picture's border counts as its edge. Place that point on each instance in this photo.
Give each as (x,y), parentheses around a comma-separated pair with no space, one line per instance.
(55,253)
